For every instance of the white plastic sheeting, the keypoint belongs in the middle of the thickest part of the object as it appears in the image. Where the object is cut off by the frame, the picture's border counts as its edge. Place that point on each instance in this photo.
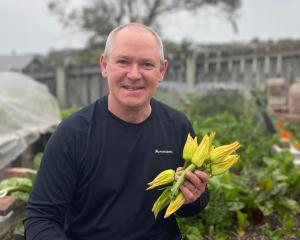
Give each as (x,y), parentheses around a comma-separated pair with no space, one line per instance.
(27,109)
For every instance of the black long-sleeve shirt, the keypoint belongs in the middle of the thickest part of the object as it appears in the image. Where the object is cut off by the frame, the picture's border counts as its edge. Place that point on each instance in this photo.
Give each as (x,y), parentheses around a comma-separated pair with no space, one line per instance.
(92,179)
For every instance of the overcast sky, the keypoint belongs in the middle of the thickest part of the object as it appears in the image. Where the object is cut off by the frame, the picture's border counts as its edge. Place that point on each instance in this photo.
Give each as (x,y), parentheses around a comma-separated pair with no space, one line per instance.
(26,26)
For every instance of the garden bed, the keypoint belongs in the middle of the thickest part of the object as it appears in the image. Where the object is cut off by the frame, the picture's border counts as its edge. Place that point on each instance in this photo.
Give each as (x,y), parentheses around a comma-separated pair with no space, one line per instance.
(8,222)
(259,198)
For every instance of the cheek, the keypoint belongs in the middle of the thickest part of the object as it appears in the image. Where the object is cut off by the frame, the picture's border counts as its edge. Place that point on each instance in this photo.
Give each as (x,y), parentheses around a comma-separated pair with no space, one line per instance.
(114,76)
(154,80)
(154,85)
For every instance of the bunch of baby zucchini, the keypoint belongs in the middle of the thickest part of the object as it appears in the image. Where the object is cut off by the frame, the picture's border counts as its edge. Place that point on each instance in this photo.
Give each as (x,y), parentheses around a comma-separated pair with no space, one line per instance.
(204,156)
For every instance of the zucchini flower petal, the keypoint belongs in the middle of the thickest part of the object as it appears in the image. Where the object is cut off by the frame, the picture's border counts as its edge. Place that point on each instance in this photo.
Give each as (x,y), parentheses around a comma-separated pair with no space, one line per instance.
(202,152)
(211,140)
(163,178)
(219,153)
(175,204)
(189,147)
(221,167)
(162,201)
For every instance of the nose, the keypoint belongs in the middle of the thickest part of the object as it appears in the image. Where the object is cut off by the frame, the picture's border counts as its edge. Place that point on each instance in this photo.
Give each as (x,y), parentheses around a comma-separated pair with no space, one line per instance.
(134,72)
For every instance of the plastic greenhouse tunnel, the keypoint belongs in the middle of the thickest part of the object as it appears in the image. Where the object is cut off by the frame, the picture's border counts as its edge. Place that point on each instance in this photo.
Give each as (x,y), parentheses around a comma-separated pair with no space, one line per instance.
(27,110)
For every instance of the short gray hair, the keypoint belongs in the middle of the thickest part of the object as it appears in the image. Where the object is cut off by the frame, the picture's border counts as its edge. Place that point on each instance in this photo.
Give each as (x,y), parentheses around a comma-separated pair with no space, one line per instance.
(111,36)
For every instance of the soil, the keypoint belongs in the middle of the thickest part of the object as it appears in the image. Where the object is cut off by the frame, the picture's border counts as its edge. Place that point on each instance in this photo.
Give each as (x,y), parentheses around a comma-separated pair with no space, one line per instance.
(11,236)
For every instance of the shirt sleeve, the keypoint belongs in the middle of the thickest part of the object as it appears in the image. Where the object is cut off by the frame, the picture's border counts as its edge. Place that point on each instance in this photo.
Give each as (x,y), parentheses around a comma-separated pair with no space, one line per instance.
(53,190)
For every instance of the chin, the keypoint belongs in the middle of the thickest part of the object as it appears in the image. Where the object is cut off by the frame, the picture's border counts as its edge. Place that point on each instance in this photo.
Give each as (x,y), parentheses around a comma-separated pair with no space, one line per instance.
(135,103)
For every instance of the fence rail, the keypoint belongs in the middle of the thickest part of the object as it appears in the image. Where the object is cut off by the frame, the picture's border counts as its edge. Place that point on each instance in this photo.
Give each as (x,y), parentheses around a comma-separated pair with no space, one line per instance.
(82,84)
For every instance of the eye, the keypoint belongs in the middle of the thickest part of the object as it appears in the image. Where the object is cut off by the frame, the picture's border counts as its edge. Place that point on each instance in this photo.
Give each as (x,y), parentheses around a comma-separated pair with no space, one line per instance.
(122,62)
(148,65)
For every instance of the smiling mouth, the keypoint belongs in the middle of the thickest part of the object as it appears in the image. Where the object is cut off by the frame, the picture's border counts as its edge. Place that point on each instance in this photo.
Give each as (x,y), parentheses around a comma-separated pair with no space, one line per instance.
(132,88)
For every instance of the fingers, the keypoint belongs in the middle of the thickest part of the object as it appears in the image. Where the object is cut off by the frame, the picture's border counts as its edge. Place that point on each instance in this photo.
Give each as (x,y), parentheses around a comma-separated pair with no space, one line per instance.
(177,170)
(204,177)
(194,185)
(189,195)
(198,179)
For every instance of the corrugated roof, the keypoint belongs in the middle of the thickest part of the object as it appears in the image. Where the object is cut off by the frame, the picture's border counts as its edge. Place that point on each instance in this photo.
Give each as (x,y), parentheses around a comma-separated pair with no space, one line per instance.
(15,63)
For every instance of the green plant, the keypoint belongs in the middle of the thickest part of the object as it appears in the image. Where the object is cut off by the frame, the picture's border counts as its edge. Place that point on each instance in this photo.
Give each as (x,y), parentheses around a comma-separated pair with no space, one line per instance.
(270,233)
(66,112)
(20,187)
(263,186)
(190,228)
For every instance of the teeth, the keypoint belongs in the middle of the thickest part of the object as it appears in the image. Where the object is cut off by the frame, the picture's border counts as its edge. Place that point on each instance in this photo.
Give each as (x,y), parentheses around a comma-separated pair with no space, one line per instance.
(133,88)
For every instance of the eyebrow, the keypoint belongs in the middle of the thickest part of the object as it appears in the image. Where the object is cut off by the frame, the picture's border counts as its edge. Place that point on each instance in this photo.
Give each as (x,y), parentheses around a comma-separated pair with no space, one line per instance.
(143,59)
(122,56)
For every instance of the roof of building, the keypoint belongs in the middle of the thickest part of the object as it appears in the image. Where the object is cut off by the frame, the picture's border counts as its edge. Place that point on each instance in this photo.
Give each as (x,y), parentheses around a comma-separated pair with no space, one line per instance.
(15,62)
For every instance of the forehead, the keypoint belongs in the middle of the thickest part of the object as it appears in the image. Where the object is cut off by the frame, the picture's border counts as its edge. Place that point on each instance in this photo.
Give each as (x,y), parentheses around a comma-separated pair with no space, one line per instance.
(135,38)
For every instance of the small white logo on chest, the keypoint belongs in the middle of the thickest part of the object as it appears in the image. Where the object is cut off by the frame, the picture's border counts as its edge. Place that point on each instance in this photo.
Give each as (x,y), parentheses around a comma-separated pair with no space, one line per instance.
(163,151)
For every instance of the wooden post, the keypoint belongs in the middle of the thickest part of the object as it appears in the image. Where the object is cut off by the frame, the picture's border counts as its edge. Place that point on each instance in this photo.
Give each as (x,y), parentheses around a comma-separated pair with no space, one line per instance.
(279,66)
(218,63)
(230,65)
(206,63)
(242,66)
(61,86)
(267,66)
(190,71)
(255,73)
(254,65)
(266,72)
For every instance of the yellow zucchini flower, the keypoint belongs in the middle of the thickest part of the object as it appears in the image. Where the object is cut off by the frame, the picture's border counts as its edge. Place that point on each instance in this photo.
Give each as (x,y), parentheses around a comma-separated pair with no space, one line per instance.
(175,204)
(163,178)
(162,201)
(221,167)
(189,147)
(219,153)
(202,152)
(211,140)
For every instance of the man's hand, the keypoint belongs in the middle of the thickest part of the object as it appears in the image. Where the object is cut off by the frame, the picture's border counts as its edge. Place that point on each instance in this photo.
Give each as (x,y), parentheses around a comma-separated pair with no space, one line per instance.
(194,185)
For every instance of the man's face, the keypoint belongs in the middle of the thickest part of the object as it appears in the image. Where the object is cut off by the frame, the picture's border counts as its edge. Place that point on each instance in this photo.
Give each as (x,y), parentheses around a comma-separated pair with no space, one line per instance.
(133,69)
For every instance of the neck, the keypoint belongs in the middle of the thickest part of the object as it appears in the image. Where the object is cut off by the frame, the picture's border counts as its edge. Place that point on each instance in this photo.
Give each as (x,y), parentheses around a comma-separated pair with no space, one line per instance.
(131,115)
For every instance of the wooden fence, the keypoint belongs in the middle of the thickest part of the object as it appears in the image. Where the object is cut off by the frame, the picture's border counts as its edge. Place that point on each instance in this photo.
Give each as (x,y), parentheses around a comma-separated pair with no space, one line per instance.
(83,84)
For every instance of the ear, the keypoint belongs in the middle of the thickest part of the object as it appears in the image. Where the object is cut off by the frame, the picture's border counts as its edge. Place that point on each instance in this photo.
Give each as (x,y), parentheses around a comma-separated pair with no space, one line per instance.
(163,68)
(103,66)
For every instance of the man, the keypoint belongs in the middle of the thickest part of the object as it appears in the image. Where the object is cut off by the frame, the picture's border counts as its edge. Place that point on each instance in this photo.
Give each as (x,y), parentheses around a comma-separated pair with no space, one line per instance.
(92,180)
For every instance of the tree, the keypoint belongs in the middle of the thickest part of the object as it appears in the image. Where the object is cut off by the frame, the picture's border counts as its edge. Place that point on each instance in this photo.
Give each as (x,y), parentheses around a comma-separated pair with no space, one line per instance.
(99,17)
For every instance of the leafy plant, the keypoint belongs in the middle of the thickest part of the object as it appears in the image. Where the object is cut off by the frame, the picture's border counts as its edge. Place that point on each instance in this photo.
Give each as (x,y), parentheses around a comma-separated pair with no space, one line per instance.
(18,187)
(264,185)
(66,112)
(21,187)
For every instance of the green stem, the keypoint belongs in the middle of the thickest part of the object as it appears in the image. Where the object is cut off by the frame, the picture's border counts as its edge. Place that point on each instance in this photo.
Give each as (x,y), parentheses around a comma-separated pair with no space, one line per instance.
(180,180)
(186,163)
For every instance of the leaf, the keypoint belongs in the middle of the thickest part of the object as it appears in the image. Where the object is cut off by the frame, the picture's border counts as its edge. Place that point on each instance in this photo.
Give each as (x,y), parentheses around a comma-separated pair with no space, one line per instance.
(15,182)
(18,187)
(266,184)
(290,203)
(242,223)
(267,208)
(19,230)
(37,160)
(235,206)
